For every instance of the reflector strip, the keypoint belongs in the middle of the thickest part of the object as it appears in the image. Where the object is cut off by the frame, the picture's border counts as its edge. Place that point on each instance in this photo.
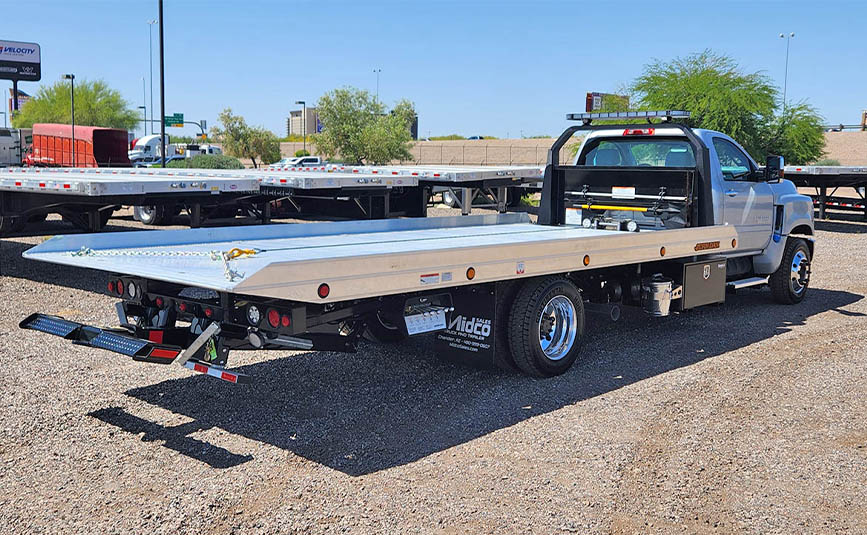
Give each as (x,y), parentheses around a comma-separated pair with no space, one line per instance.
(219,373)
(163,353)
(155,336)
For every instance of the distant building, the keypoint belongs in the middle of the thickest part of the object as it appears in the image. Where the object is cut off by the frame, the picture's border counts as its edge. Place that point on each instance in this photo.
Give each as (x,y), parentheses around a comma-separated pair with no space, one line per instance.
(295,123)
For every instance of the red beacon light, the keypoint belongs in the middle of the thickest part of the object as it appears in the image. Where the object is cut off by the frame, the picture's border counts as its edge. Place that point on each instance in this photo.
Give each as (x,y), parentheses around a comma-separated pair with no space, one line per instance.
(273,318)
(638,132)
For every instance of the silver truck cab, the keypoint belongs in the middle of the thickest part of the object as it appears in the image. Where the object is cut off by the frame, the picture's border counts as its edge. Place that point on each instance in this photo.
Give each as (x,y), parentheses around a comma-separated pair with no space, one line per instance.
(764,213)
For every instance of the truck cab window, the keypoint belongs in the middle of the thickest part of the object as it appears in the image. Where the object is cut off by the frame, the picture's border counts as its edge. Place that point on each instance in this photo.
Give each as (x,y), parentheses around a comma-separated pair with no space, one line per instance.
(639,152)
(733,163)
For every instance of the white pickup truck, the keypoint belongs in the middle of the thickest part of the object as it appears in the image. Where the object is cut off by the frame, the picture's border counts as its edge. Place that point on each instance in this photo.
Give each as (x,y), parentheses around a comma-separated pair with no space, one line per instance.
(657,216)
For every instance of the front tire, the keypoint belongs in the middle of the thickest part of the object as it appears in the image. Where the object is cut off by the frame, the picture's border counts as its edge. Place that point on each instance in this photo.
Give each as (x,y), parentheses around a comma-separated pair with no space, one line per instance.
(546,326)
(789,282)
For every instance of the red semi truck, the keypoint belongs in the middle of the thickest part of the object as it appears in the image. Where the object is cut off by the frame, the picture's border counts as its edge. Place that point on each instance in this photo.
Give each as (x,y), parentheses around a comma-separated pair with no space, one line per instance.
(94,146)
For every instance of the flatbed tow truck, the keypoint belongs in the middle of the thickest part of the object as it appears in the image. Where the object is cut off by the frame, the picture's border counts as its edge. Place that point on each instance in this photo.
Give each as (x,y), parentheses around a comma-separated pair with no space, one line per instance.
(651,214)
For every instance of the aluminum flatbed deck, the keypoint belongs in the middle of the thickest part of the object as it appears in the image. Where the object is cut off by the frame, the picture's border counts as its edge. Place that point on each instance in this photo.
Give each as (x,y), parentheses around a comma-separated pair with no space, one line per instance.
(825,177)
(101,182)
(371,258)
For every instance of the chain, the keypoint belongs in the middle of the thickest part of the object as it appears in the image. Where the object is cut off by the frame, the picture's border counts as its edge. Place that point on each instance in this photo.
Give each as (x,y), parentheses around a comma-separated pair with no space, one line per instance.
(217,256)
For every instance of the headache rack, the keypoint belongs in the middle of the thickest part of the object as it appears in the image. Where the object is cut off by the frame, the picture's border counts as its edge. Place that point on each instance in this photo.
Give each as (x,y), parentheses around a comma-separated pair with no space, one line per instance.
(663,192)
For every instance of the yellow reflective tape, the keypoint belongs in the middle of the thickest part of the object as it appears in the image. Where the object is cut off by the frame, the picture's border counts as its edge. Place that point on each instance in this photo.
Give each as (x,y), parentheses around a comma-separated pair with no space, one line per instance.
(609,207)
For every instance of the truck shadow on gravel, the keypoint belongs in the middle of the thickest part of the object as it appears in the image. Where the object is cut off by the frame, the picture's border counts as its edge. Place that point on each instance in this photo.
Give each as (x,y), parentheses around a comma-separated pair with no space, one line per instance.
(391,405)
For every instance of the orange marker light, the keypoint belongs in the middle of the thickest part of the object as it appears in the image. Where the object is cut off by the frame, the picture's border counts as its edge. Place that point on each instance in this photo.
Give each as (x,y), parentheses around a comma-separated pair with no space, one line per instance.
(587,260)
(471,273)
(662,251)
(734,243)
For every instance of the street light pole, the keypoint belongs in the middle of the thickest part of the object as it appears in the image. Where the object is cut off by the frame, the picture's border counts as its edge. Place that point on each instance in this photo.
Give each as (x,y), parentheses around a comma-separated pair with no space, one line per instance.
(144,105)
(377,71)
(303,120)
(788,39)
(162,92)
(151,57)
(71,78)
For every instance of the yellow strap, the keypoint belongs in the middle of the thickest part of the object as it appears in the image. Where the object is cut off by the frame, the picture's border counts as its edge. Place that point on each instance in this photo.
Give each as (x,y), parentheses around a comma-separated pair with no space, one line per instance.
(608,207)
(236,252)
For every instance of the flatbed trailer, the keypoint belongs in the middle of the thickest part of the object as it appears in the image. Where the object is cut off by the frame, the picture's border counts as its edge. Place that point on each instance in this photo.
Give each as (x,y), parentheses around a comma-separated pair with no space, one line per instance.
(493,288)
(827,179)
(88,196)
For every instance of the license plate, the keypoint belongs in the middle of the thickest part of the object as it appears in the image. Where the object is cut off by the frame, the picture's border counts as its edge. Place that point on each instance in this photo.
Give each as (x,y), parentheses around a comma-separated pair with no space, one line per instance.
(425,322)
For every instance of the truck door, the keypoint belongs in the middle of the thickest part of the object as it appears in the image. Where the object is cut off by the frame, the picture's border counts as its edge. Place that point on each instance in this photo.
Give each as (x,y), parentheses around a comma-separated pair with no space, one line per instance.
(748,203)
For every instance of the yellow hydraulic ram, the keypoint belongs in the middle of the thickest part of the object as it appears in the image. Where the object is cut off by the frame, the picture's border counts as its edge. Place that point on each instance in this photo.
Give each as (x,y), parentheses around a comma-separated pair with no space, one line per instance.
(609,207)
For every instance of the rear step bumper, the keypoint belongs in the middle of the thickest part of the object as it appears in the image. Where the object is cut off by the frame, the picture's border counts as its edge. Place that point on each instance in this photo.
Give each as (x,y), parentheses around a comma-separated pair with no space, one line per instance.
(120,341)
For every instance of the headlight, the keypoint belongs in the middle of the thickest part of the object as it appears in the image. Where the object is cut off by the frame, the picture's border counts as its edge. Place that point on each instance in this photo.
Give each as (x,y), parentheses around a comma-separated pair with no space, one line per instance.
(253,315)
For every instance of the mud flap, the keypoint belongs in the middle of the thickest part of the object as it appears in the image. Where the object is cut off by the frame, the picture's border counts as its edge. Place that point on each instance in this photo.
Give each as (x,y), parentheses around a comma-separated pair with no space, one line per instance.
(476,331)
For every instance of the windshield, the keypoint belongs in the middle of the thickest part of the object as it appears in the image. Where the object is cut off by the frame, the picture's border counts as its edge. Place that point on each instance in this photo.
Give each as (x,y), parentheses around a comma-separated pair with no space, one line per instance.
(638,152)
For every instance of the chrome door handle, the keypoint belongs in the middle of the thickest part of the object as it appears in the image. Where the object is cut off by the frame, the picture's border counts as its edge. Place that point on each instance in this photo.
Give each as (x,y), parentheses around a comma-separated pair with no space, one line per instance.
(732,193)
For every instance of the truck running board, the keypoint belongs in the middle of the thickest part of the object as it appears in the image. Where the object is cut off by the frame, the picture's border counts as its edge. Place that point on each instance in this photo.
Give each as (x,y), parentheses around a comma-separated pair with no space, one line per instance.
(122,342)
(747,283)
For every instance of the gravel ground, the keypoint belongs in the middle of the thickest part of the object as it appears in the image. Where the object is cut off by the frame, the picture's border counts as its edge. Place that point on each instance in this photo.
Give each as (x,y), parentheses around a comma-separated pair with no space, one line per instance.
(742,418)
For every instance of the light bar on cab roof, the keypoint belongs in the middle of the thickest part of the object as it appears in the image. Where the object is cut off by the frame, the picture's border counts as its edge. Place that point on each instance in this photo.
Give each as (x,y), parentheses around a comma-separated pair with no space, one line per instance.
(667,114)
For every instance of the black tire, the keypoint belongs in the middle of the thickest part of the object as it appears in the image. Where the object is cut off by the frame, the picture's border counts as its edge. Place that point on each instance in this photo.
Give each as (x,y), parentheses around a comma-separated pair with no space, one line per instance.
(790,281)
(151,215)
(526,323)
(380,329)
(7,224)
(105,216)
(451,199)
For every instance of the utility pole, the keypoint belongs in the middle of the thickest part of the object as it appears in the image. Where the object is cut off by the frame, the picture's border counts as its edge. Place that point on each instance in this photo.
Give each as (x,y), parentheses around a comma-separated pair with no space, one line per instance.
(71,78)
(162,92)
(788,39)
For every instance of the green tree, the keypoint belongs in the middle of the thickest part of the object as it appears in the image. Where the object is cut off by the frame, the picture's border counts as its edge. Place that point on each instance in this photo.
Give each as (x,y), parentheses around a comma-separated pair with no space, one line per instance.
(795,134)
(96,104)
(207,161)
(722,97)
(356,126)
(244,141)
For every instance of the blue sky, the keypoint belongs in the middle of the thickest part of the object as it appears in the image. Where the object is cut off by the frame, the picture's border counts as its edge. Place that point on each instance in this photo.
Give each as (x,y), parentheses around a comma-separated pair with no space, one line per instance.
(471,67)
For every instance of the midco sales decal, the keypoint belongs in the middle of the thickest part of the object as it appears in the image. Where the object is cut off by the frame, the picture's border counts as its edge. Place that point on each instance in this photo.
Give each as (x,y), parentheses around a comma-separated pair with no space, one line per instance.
(467,334)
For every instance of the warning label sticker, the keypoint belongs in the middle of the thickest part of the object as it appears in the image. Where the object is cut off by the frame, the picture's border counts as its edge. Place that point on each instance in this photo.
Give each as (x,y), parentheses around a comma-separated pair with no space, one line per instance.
(430,278)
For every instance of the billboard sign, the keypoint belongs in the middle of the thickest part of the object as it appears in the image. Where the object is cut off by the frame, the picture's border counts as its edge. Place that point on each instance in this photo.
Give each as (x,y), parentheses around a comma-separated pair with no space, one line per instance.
(20,61)
(606,102)
(22,99)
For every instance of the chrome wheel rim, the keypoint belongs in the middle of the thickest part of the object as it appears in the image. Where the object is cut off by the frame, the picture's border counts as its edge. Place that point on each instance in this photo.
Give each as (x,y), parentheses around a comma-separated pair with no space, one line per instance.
(558,327)
(800,274)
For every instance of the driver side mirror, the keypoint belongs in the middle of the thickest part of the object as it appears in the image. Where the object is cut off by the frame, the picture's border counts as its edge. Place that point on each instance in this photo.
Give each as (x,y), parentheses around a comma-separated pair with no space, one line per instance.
(773,169)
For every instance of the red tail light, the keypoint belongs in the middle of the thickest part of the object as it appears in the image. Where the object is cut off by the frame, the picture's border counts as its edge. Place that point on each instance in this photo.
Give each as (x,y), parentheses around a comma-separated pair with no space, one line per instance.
(323,290)
(119,287)
(159,301)
(638,132)
(285,321)
(111,287)
(182,307)
(209,312)
(274,318)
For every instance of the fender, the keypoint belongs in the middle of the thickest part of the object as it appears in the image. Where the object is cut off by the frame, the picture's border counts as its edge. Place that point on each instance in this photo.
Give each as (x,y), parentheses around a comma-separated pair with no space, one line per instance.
(797,218)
